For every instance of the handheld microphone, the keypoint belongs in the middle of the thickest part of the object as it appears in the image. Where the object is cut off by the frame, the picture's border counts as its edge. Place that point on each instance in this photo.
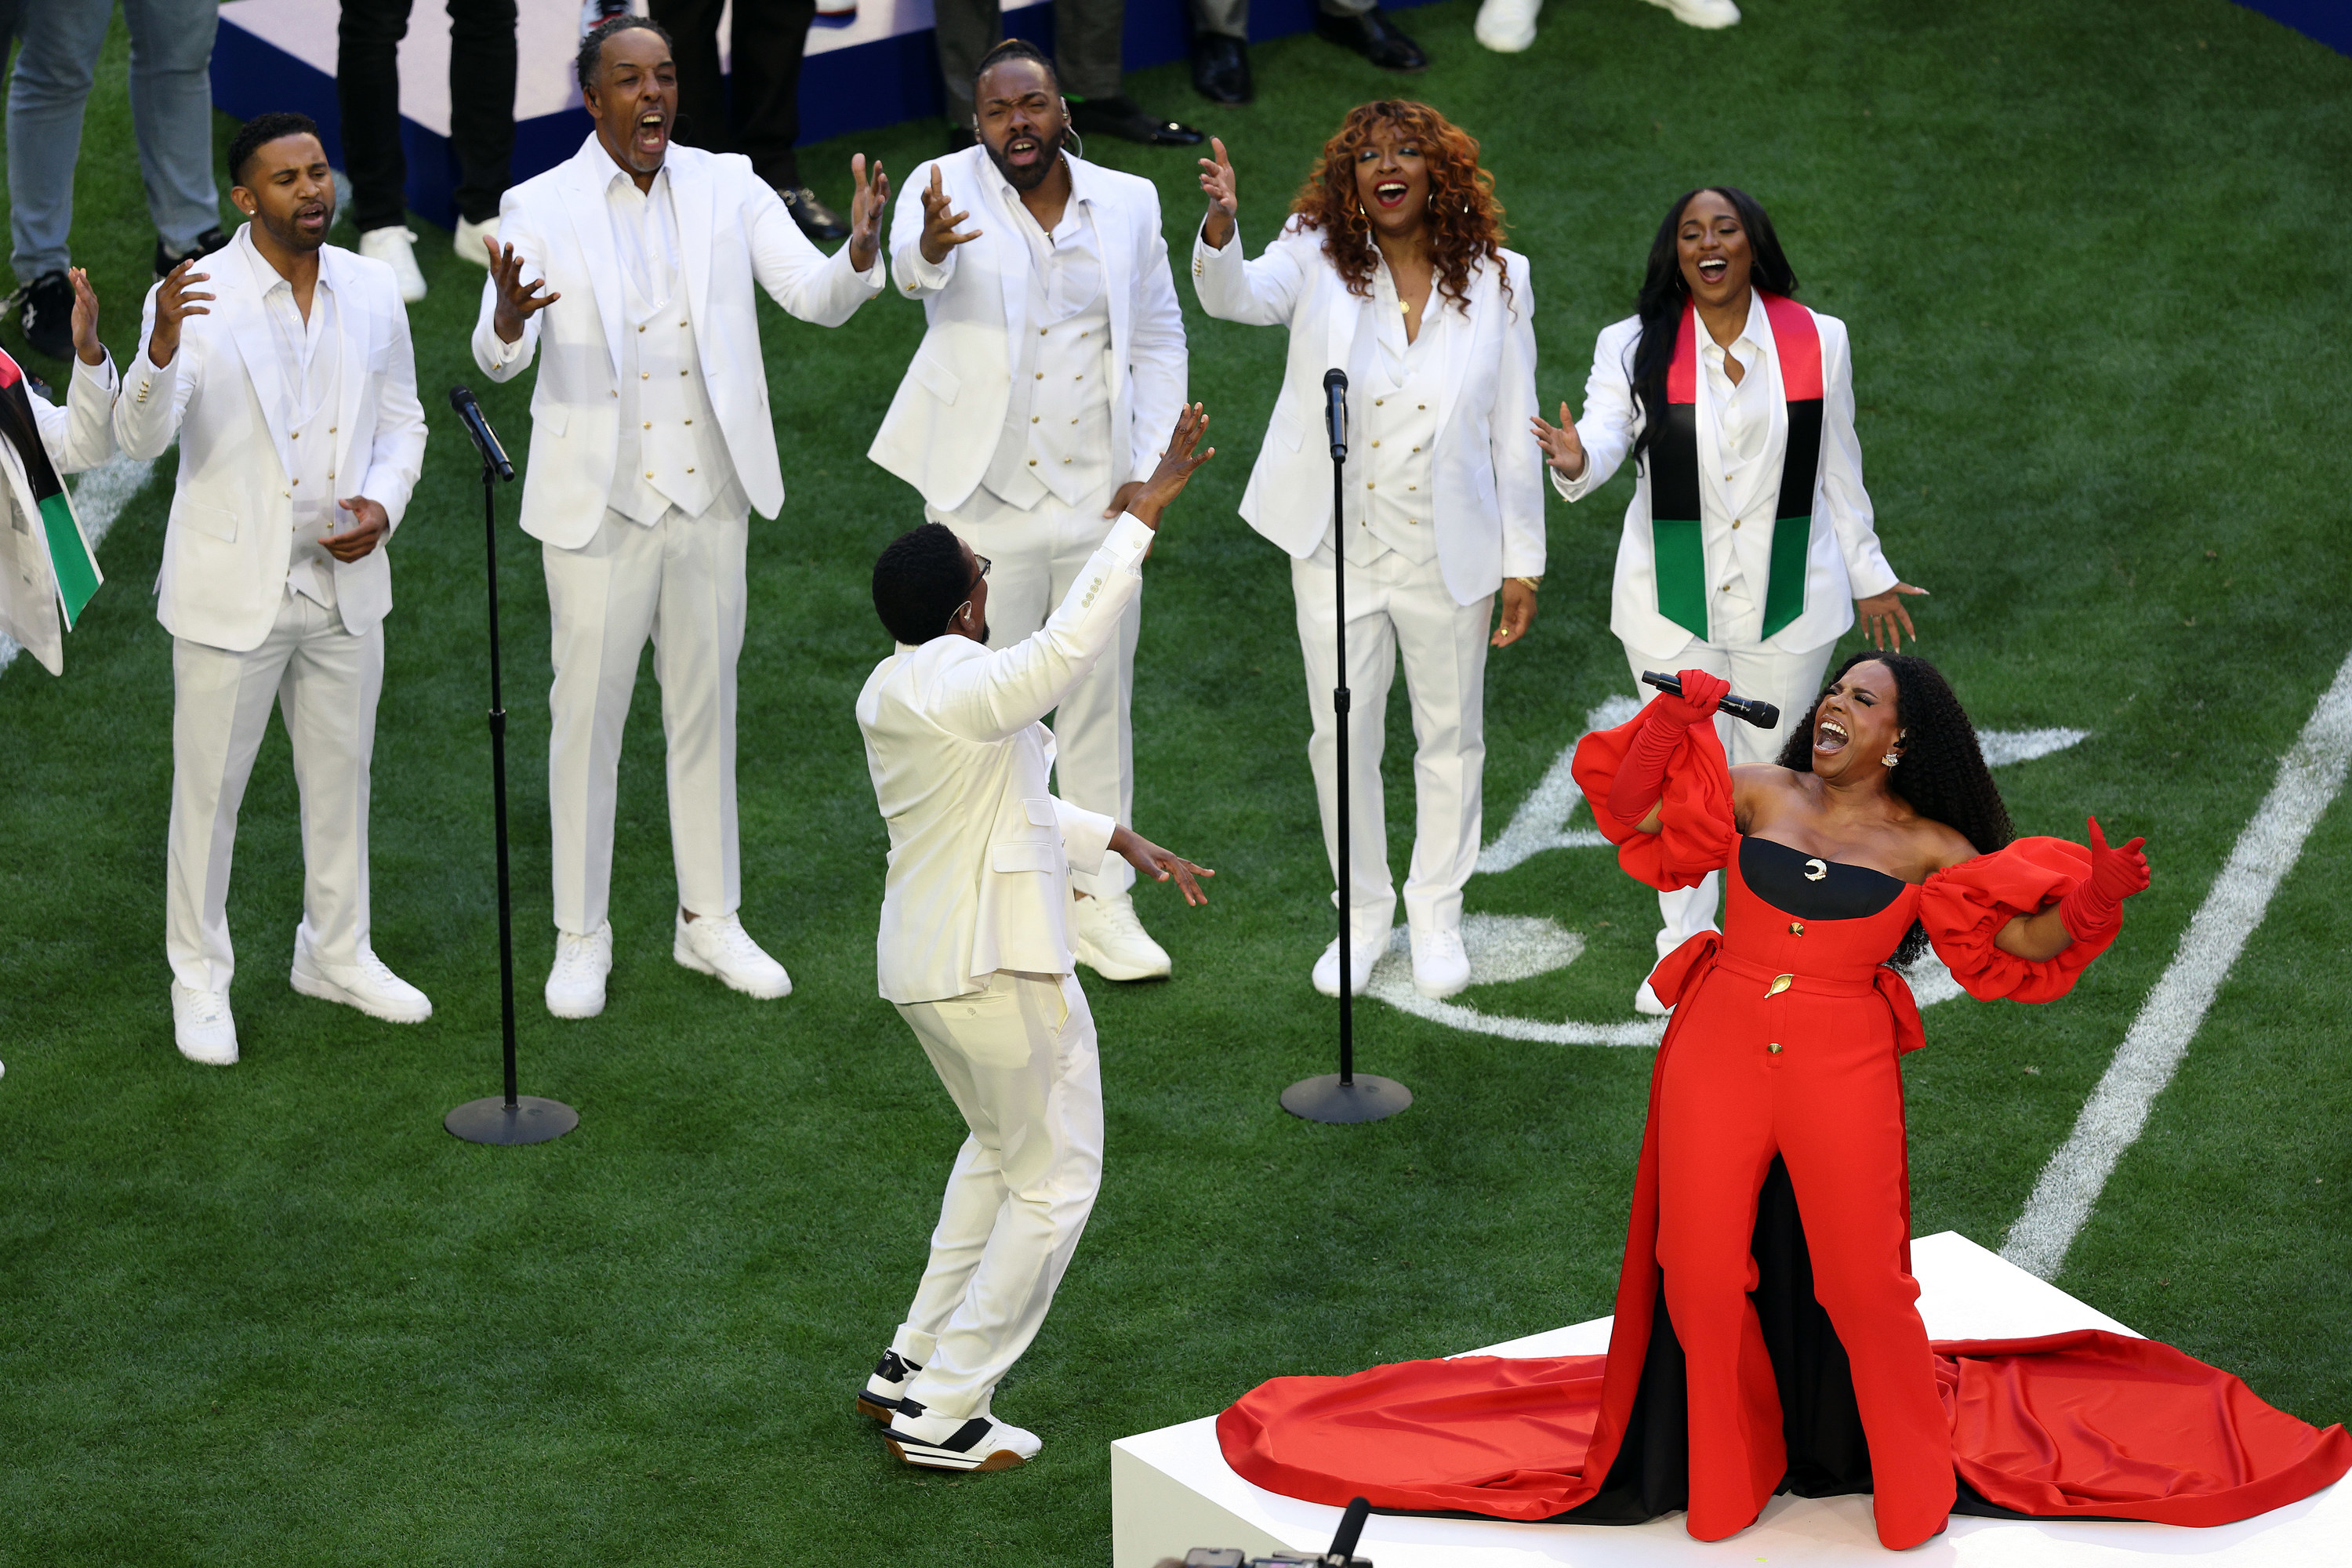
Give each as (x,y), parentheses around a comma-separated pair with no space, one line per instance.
(1761,714)
(486,440)
(1351,1524)
(1335,412)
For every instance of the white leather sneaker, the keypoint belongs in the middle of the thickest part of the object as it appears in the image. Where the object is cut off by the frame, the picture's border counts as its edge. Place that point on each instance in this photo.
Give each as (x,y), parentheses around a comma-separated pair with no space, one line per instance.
(885,1394)
(1440,965)
(575,985)
(202,1026)
(1362,956)
(396,248)
(1708,14)
(1506,26)
(1647,1003)
(469,241)
(953,1442)
(718,944)
(369,985)
(1112,941)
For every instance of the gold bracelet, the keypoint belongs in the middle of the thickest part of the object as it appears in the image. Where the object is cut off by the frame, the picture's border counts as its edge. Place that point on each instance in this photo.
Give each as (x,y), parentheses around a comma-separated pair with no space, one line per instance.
(1533,584)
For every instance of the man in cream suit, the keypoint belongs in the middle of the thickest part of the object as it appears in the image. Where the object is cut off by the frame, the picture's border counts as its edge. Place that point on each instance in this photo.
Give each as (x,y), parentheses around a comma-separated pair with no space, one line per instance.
(975,950)
(651,445)
(47,569)
(1051,372)
(294,397)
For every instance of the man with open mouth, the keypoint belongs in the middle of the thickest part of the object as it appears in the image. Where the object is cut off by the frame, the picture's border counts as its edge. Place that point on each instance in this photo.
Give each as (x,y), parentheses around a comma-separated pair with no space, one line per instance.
(634,263)
(1051,374)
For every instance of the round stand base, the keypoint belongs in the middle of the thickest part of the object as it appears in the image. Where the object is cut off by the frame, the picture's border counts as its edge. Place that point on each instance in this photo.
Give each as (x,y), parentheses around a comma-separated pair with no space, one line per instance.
(529,1120)
(1326,1099)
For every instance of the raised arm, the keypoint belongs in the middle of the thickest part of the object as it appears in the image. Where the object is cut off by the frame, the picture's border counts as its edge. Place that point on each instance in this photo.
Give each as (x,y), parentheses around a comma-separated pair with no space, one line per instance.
(161,381)
(1611,417)
(1261,293)
(505,330)
(81,434)
(809,284)
(926,231)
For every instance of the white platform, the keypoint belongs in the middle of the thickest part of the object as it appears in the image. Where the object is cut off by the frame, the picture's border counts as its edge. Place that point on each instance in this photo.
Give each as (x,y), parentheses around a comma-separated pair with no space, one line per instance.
(1171,1489)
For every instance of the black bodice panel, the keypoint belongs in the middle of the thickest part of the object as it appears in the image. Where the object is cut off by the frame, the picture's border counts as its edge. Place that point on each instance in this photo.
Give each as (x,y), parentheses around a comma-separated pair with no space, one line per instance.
(1811,887)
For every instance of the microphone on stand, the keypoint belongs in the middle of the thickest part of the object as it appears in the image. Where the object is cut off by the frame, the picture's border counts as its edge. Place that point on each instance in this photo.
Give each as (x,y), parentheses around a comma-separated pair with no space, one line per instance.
(486,440)
(1335,412)
(1755,710)
(1351,1529)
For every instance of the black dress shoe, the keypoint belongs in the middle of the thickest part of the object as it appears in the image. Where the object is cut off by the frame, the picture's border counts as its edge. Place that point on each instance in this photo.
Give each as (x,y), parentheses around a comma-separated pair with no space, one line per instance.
(817,220)
(1375,37)
(1119,116)
(960,136)
(1221,71)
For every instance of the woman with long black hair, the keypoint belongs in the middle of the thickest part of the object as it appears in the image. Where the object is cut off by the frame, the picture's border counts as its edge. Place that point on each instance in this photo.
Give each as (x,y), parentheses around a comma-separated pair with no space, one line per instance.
(1766,1334)
(1748,547)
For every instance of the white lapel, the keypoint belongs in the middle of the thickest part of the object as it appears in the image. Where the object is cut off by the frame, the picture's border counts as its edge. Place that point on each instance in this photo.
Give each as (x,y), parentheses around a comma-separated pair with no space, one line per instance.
(355,325)
(1011,250)
(245,321)
(1111,234)
(592,225)
(694,203)
(1715,492)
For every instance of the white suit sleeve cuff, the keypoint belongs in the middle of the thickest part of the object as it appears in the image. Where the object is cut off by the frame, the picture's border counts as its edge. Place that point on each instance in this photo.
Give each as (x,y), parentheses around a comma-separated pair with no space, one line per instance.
(102,372)
(504,354)
(927,275)
(1086,834)
(1128,541)
(1571,490)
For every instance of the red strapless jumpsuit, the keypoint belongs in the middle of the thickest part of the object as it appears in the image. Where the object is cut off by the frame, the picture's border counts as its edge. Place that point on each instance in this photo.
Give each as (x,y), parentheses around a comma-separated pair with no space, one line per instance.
(1785,1041)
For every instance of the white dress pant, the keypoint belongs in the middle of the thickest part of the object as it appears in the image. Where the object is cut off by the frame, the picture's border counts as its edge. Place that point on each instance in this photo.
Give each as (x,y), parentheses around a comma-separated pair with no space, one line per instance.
(1034,554)
(1019,1060)
(324,683)
(1792,681)
(1395,606)
(681,582)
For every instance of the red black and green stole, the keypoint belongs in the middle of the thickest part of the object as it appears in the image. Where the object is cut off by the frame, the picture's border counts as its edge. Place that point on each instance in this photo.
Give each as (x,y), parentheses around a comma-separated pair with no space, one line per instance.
(1674,535)
(70,558)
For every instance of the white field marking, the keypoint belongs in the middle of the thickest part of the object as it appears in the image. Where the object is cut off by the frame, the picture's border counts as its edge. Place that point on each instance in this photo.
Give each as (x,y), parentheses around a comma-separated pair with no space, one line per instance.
(99,498)
(2309,776)
(2001,746)
(1503,948)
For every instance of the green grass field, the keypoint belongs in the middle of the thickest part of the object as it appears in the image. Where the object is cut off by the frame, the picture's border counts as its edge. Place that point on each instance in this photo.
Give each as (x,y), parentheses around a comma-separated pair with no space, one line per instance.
(2090,254)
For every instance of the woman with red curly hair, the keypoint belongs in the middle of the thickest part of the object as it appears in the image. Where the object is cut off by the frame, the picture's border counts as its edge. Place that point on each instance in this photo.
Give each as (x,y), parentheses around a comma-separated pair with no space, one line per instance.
(1391,268)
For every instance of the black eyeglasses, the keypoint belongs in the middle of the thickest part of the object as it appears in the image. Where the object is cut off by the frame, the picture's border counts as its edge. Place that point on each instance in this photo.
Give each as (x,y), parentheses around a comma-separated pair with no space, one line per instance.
(984,564)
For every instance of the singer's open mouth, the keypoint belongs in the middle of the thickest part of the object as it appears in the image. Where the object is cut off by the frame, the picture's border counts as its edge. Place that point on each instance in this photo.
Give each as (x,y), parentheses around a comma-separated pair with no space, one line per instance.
(1712,269)
(1829,737)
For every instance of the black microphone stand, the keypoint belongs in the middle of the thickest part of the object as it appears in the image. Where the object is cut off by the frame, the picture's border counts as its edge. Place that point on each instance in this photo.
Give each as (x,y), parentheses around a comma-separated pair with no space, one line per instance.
(517,1119)
(1343,1096)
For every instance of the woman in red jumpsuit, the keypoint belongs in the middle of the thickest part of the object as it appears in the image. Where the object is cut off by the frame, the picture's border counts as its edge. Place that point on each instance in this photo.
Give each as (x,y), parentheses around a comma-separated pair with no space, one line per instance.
(1766,1334)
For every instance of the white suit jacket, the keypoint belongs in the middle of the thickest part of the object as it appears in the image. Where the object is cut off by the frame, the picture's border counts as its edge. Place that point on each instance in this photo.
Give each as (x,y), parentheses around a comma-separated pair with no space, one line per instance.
(949,412)
(980,850)
(1843,561)
(1488,508)
(733,230)
(78,435)
(231,532)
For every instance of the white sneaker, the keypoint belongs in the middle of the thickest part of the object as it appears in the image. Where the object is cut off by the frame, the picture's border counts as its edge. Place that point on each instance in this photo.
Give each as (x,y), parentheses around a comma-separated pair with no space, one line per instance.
(1112,941)
(469,241)
(954,1442)
(1440,966)
(1647,1003)
(396,248)
(1709,14)
(575,985)
(369,985)
(718,944)
(593,13)
(202,1026)
(1362,956)
(1506,26)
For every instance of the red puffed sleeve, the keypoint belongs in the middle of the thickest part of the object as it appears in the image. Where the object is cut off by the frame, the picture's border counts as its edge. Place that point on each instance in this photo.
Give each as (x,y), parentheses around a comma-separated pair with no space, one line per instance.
(1697,829)
(1964,909)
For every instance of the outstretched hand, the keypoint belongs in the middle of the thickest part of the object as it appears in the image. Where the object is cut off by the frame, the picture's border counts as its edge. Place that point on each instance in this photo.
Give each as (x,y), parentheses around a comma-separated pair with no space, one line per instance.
(1176,467)
(175,301)
(518,300)
(2118,872)
(939,232)
(1160,865)
(85,318)
(1562,448)
(1217,185)
(867,206)
(1884,619)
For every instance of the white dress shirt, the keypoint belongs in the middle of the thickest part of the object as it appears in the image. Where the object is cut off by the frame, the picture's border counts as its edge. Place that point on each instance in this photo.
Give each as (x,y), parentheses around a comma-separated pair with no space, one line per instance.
(1742,420)
(310,378)
(1056,434)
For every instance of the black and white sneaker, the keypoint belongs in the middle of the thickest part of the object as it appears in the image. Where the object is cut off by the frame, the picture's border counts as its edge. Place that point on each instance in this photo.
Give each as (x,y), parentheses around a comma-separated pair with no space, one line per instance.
(885,1394)
(944,1443)
(45,310)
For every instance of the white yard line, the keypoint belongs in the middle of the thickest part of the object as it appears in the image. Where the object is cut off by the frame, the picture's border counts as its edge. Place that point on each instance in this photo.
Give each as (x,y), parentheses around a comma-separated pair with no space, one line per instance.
(2309,776)
(99,498)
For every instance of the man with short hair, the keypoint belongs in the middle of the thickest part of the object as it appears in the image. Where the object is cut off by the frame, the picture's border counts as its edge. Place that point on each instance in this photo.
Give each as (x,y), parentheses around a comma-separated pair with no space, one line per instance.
(651,444)
(975,950)
(294,385)
(1052,367)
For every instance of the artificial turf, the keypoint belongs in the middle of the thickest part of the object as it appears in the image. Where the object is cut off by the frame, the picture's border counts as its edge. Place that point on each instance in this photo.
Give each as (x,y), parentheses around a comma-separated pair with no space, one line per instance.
(276,1314)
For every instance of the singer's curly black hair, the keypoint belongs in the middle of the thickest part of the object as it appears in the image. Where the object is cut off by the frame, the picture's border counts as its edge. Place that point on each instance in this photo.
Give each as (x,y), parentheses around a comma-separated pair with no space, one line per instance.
(1942,775)
(919,582)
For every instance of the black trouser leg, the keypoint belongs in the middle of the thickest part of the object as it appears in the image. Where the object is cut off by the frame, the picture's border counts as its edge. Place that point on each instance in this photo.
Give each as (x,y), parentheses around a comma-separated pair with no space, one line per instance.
(481,102)
(1086,36)
(769,39)
(367,95)
(968,29)
(701,93)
